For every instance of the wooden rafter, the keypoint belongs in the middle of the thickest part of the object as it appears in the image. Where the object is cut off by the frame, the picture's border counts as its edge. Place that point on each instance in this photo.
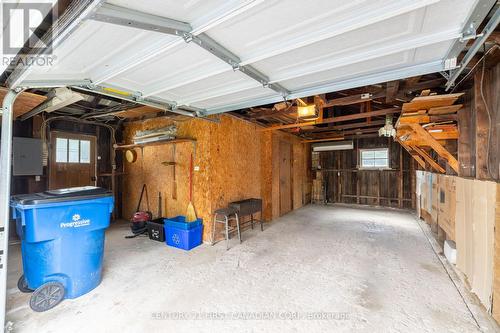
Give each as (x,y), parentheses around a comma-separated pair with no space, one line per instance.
(427,102)
(382,112)
(346,126)
(391,91)
(436,146)
(428,159)
(354,99)
(429,121)
(414,154)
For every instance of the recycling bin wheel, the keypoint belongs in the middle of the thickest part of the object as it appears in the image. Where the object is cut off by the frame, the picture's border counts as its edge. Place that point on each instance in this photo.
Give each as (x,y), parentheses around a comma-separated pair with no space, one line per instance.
(47,296)
(22,285)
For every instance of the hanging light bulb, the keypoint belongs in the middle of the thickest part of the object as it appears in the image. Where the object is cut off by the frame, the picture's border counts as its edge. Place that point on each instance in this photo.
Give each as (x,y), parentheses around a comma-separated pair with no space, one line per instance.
(388,130)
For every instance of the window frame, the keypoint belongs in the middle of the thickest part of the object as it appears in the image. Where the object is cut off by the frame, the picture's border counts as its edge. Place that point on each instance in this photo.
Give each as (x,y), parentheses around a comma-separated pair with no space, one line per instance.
(67,141)
(360,159)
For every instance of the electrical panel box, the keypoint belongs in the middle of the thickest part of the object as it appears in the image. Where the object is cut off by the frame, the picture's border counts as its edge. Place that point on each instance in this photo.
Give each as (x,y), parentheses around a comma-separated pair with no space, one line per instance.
(27,157)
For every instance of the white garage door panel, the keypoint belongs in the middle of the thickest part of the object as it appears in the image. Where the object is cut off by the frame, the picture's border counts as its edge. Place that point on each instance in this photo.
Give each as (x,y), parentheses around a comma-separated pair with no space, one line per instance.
(346,46)
(177,62)
(217,85)
(233,98)
(96,45)
(186,11)
(447,14)
(356,70)
(306,47)
(431,52)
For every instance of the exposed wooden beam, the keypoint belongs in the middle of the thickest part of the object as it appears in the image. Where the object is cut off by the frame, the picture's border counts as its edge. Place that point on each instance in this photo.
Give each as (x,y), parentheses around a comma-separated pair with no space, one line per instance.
(438,148)
(362,136)
(449,134)
(421,119)
(344,133)
(346,126)
(427,102)
(408,87)
(391,91)
(483,126)
(428,159)
(382,112)
(445,109)
(274,112)
(421,143)
(412,80)
(333,138)
(412,153)
(354,99)
(319,102)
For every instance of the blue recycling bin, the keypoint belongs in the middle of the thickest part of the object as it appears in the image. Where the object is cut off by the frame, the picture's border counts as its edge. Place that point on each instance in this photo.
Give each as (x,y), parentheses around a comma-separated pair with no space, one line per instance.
(62,242)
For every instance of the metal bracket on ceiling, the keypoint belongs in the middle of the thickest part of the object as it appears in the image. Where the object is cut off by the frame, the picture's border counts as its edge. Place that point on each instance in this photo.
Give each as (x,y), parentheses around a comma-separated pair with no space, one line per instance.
(113,14)
(444,74)
(477,16)
(145,21)
(488,29)
(468,37)
(136,97)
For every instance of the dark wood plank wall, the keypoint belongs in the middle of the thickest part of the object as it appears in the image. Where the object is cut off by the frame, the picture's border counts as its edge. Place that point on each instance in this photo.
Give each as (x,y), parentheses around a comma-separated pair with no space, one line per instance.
(345,183)
(479,125)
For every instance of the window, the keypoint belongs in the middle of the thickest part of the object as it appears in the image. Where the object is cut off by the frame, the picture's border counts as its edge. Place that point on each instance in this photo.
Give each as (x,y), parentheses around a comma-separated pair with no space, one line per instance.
(72,151)
(84,151)
(73,148)
(61,150)
(374,158)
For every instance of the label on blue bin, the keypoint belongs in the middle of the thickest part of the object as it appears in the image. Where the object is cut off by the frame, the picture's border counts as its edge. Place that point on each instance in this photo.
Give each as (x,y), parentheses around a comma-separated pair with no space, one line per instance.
(176,239)
(76,223)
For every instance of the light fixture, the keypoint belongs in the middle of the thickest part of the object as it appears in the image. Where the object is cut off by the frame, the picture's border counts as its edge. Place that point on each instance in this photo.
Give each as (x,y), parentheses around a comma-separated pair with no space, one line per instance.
(388,130)
(56,99)
(330,146)
(435,131)
(306,111)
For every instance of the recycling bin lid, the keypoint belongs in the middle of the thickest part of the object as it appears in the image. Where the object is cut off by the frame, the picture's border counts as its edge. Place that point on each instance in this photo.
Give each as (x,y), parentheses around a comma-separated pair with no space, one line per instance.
(61,195)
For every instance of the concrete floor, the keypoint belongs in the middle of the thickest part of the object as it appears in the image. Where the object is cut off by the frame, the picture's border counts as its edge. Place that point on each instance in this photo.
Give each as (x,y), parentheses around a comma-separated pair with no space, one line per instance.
(318,269)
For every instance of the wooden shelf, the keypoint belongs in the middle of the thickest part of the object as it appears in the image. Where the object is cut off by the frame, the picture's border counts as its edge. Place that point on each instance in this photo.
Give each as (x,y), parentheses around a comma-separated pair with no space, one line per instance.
(425,125)
(154,143)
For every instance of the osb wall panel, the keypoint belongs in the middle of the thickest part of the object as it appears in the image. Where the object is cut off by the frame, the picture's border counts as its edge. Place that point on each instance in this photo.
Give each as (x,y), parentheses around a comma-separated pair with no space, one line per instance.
(159,178)
(236,161)
(235,153)
(300,176)
(301,184)
(266,167)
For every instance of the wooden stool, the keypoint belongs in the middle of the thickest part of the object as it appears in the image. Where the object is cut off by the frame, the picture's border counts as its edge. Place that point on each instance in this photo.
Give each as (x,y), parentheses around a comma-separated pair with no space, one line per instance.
(227,214)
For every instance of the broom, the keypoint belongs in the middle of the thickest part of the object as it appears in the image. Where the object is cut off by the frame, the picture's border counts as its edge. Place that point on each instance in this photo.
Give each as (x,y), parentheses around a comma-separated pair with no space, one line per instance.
(190,212)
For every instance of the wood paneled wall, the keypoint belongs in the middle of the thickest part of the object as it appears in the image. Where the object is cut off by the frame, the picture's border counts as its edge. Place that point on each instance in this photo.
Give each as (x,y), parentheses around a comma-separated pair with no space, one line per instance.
(479,124)
(346,183)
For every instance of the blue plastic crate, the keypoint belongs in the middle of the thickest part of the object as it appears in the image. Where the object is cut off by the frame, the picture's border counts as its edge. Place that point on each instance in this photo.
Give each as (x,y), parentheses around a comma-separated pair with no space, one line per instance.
(179,222)
(182,238)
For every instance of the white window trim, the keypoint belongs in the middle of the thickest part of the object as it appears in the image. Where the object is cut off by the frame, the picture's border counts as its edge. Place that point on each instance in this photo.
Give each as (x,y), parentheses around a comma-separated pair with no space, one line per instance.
(360,151)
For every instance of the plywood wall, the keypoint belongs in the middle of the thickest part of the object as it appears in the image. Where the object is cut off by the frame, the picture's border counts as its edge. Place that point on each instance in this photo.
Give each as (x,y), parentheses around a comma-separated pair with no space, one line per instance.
(235,162)
(159,178)
(468,211)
